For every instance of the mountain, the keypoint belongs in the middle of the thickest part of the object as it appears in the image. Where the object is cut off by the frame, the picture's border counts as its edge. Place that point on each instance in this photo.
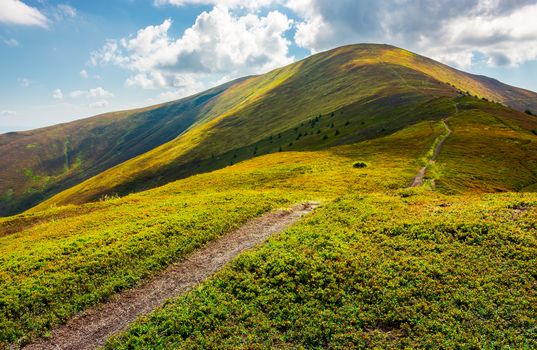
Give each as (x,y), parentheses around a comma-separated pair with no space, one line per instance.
(378,264)
(39,163)
(341,96)
(383,261)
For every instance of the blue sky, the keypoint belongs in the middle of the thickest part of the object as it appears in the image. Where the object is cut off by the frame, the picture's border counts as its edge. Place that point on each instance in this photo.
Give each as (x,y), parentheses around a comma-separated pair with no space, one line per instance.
(66,60)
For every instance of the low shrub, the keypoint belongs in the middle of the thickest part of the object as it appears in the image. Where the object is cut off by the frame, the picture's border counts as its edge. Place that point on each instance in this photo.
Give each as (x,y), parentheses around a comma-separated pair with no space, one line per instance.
(359,165)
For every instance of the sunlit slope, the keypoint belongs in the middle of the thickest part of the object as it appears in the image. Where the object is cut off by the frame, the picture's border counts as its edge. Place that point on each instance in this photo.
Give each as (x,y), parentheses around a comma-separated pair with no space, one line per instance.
(491,149)
(477,85)
(39,163)
(313,104)
(59,261)
(369,271)
(340,96)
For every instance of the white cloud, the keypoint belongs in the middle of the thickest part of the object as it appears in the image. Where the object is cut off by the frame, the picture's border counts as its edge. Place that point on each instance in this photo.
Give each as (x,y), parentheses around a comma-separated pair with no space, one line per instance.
(24,82)
(77,93)
(66,11)
(60,12)
(509,39)
(219,43)
(84,74)
(91,93)
(151,80)
(57,94)
(99,92)
(11,42)
(236,38)
(7,113)
(452,31)
(17,12)
(99,104)
(248,4)
(184,85)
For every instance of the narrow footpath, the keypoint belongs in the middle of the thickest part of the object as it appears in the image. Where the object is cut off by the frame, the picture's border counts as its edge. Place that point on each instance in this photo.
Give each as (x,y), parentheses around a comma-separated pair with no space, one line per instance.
(91,329)
(418,180)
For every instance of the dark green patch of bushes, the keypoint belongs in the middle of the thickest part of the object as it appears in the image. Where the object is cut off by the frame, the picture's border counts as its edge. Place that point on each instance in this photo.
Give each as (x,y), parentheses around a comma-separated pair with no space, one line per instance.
(359,165)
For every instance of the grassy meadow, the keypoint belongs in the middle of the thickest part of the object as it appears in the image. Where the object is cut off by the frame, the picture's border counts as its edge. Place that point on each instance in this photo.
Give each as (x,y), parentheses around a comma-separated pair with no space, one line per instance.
(411,269)
(377,265)
(62,260)
(350,94)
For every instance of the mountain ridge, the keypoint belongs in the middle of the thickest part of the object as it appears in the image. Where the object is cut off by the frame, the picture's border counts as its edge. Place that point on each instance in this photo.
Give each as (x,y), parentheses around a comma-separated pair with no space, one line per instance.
(372,89)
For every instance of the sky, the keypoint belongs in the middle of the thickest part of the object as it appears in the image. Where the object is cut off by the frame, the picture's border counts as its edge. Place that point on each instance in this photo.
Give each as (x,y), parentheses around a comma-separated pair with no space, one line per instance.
(64,60)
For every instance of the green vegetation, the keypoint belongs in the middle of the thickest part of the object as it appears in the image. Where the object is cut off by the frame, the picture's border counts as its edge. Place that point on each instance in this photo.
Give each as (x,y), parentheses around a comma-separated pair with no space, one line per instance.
(370,271)
(359,165)
(360,92)
(61,267)
(450,264)
(66,154)
(57,262)
(499,149)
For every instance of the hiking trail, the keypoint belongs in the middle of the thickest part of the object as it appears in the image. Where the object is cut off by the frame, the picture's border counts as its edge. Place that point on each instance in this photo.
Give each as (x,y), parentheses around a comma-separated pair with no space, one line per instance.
(418,180)
(91,328)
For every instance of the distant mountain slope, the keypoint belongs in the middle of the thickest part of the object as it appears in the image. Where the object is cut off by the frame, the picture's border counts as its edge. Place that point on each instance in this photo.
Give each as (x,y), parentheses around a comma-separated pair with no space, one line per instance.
(38,163)
(340,96)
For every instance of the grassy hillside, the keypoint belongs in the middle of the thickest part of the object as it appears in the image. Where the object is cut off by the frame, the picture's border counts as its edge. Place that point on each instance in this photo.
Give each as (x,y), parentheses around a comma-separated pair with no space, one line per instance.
(340,96)
(378,265)
(39,163)
(499,147)
(58,262)
(393,271)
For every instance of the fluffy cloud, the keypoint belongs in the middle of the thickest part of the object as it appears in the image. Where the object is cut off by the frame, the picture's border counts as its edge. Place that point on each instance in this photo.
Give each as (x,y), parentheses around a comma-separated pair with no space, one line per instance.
(57,94)
(219,43)
(84,74)
(64,10)
(247,4)
(91,93)
(184,85)
(237,37)
(17,12)
(505,39)
(453,31)
(99,104)
(99,92)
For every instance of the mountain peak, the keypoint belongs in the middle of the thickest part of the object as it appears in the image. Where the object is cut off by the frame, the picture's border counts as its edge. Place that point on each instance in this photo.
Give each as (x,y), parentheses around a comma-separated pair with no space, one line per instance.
(375,89)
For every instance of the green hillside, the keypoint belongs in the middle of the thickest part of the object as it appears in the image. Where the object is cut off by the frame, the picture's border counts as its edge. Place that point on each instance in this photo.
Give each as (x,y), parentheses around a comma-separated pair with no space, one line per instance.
(370,271)
(62,260)
(451,263)
(340,96)
(39,163)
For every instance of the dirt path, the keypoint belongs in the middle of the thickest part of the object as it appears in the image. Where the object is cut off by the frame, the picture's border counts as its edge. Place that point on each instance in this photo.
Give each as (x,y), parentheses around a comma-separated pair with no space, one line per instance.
(91,329)
(418,180)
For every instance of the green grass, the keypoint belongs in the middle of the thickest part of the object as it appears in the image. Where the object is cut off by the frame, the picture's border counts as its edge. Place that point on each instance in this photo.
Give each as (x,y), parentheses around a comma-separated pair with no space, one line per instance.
(361,92)
(57,262)
(375,255)
(61,267)
(488,151)
(377,265)
(370,271)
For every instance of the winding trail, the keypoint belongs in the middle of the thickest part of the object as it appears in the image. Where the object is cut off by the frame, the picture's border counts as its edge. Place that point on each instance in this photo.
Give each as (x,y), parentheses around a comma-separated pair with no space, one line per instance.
(418,180)
(90,329)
